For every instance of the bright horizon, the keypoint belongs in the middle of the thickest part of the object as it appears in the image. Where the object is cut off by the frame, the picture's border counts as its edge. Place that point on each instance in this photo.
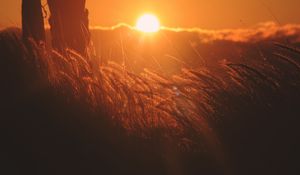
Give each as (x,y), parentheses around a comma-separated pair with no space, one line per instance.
(214,14)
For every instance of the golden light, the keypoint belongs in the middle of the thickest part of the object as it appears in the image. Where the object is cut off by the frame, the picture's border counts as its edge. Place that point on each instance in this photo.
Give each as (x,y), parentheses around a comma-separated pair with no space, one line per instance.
(148,23)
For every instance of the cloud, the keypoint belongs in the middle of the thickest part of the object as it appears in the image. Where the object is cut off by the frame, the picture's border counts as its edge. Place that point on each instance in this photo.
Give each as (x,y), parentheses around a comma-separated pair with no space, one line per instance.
(260,32)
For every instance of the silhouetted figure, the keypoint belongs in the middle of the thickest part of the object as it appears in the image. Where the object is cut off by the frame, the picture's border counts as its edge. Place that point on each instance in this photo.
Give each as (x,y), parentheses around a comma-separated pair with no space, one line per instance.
(32,20)
(69,25)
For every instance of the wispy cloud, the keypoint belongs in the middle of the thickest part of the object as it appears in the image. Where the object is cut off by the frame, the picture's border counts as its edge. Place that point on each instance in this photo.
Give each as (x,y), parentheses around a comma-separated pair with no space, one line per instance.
(263,31)
(260,32)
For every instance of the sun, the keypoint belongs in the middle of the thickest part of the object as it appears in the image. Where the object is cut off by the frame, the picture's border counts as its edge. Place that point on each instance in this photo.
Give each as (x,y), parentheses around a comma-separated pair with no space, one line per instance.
(148,23)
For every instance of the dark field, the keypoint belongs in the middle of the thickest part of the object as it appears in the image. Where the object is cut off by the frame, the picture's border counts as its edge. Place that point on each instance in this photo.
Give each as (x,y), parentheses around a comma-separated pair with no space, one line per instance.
(177,102)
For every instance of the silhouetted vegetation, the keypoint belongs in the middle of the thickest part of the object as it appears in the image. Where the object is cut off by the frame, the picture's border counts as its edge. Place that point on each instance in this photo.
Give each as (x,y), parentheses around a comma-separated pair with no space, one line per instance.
(63,114)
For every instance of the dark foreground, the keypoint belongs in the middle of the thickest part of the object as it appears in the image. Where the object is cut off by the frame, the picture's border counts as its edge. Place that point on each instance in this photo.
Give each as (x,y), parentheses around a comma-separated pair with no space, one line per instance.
(63,118)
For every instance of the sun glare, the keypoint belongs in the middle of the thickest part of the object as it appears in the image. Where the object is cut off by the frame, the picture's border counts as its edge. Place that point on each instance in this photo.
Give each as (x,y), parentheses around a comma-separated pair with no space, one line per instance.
(148,23)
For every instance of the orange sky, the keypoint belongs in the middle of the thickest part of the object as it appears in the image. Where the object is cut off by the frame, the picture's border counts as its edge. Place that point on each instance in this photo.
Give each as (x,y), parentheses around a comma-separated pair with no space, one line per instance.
(208,14)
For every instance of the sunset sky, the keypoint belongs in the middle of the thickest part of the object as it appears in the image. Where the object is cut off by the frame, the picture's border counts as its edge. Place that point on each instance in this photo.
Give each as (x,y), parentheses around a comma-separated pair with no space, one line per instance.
(212,14)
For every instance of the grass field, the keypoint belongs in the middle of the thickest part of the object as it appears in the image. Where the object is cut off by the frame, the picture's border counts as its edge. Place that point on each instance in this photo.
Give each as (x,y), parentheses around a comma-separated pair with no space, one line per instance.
(65,114)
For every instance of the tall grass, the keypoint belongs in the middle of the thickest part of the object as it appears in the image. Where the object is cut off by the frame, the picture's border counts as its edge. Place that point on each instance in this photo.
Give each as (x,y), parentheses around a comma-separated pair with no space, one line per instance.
(198,111)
